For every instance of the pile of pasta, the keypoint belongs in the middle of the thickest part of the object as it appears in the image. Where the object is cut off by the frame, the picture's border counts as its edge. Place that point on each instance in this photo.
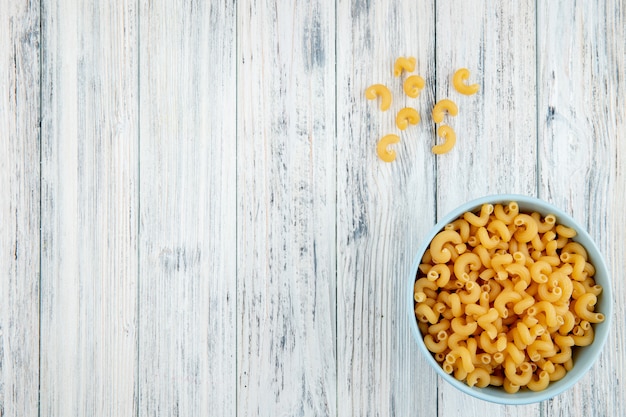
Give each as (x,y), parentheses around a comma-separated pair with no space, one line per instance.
(413,85)
(503,296)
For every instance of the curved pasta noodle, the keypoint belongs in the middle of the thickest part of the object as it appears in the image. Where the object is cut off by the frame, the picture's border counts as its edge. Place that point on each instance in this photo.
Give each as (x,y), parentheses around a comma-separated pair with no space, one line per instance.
(546,308)
(575,247)
(437,251)
(461,226)
(406,116)
(442,107)
(581,307)
(471,294)
(464,263)
(565,231)
(439,273)
(447,133)
(458,80)
(500,228)
(479,377)
(404,64)
(462,328)
(578,265)
(382,147)
(539,382)
(413,85)
(488,242)
(527,227)
(479,220)
(435,346)
(506,214)
(425,313)
(379,90)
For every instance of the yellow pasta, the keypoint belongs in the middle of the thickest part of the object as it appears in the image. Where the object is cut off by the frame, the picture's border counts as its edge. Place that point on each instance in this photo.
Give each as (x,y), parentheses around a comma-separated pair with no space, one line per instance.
(504,297)
(458,80)
(382,147)
(581,307)
(413,85)
(437,251)
(442,107)
(404,64)
(379,90)
(447,133)
(407,116)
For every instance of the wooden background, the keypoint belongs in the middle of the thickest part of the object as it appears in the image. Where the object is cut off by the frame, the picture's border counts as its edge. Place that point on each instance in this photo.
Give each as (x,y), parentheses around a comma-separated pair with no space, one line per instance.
(194,220)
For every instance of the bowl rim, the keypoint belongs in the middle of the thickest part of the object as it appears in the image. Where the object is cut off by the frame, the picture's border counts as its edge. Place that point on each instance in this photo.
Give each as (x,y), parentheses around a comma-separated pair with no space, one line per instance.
(601,330)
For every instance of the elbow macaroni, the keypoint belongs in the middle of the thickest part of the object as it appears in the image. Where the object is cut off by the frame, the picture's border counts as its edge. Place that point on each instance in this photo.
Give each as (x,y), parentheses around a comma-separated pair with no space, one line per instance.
(505,297)
(442,107)
(458,80)
(413,85)
(404,64)
(407,116)
(382,147)
(379,90)
(447,133)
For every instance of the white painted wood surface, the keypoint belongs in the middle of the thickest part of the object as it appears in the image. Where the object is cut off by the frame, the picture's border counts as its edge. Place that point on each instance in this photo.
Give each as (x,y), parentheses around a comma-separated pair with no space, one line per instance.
(89,208)
(19,208)
(195,221)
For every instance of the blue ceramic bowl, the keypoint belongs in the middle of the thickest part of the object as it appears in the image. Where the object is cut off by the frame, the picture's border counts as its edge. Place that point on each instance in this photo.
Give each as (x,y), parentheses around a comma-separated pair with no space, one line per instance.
(584,357)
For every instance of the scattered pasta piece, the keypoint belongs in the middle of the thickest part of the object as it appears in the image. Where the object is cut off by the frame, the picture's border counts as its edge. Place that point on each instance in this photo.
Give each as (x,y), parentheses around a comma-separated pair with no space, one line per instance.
(379,90)
(413,85)
(403,64)
(495,307)
(384,153)
(442,107)
(447,133)
(458,80)
(407,116)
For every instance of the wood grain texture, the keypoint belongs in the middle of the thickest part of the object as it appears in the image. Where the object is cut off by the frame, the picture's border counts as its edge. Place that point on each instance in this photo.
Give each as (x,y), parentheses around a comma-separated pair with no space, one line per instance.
(187,345)
(496,129)
(286,209)
(89,208)
(582,121)
(383,208)
(19,207)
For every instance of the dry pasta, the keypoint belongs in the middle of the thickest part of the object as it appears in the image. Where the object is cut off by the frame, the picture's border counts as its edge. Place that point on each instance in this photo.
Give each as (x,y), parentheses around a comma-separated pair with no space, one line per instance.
(449,136)
(458,80)
(404,64)
(442,107)
(406,116)
(379,90)
(413,85)
(504,297)
(384,153)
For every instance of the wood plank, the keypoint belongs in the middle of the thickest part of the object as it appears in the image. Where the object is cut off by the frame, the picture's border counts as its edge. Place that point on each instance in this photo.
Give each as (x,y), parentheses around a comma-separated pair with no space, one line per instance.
(496,148)
(19,207)
(286,208)
(89,208)
(383,209)
(187,284)
(581,135)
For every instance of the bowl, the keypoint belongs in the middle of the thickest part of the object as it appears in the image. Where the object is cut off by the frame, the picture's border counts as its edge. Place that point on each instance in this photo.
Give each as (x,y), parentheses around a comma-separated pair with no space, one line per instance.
(583,357)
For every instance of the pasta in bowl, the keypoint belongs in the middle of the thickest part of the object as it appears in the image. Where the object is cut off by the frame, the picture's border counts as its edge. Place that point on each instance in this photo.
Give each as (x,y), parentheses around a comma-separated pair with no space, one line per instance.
(509,299)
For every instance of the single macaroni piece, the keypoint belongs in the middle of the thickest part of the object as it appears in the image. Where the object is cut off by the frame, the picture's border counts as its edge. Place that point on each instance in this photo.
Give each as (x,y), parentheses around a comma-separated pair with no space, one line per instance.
(379,90)
(413,85)
(458,80)
(504,298)
(407,116)
(403,64)
(447,133)
(382,148)
(443,106)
